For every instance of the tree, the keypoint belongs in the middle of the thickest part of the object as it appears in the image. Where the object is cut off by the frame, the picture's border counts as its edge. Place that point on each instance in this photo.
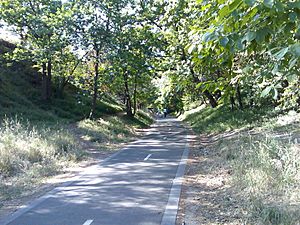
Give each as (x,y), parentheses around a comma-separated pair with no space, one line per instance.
(95,28)
(41,25)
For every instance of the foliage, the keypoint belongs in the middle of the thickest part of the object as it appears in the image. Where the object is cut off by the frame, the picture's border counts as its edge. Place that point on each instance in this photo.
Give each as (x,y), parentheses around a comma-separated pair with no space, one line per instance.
(235,51)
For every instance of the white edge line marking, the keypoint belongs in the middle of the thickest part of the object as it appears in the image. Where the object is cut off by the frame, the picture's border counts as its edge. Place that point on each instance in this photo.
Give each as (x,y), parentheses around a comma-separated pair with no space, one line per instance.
(170,213)
(88,222)
(148,156)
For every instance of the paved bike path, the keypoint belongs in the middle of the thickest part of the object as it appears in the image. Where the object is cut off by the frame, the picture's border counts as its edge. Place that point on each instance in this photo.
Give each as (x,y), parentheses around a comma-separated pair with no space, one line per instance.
(131,188)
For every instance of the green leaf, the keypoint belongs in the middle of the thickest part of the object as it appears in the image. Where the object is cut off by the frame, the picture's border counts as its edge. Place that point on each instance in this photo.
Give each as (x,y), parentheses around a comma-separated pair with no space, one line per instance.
(269,3)
(240,44)
(261,35)
(292,77)
(275,96)
(280,7)
(295,49)
(250,2)
(292,63)
(266,91)
(224,41)
(234,5)
(208,36)
(275,69)
(224,12)
(250,36)
(280,54)
(294,5)
(293,16)
(191,48)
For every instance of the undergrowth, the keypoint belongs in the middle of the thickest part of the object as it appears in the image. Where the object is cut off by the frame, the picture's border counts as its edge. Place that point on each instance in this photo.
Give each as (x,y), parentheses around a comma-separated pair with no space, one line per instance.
(263,153)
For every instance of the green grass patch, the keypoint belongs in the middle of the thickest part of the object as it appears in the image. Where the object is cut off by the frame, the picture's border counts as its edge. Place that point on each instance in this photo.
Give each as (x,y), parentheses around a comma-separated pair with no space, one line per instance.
(222,118)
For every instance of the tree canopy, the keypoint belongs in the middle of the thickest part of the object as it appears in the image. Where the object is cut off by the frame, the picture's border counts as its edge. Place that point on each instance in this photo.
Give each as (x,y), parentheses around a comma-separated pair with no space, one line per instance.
(244,53)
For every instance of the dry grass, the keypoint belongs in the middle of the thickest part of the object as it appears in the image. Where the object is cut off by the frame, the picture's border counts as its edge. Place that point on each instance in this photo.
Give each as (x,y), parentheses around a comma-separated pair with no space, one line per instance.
(266,167)
(29,154)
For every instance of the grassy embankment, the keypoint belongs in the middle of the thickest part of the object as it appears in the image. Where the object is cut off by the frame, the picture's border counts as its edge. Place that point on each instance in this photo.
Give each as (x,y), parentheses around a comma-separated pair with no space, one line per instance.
(39,139)
(261,152)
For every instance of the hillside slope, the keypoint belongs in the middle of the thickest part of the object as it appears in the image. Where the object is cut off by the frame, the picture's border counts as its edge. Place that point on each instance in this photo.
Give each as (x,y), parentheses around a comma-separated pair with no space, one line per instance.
(245,167)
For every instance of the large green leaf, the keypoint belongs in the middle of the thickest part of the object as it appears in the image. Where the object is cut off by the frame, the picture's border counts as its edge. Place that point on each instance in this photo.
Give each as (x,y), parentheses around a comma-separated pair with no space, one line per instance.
(266,91)
(292,63)
(191,48)
(261,35)
(295,49)
(208,36)
(249,36)
(293,16)
(292,77)
(281,53)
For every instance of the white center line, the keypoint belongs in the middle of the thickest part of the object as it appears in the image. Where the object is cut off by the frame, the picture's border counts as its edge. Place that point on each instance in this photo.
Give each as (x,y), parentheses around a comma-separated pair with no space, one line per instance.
(88,222)
(148,156)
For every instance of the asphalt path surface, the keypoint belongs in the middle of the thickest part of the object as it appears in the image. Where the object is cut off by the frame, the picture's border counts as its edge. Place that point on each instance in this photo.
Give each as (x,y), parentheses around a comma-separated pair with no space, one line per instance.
(131,188)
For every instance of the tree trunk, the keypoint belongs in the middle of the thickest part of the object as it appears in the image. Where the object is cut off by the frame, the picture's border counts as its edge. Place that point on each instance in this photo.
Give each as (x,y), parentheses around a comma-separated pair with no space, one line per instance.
(49,79)
(206,93)
(211,99)
(127,95)
(239,97)
(44,81)
(129,106)
(232,103)
(95,88)
(134,95)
